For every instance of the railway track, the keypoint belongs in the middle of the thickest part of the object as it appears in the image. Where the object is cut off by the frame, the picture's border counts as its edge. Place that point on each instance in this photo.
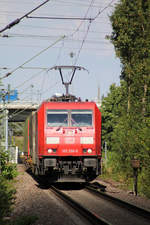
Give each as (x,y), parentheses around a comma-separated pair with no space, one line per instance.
(94,189)
(88,215)
(101,209)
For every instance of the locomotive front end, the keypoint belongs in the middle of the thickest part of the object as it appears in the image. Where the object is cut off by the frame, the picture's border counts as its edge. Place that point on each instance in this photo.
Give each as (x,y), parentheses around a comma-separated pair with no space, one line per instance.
(71,143)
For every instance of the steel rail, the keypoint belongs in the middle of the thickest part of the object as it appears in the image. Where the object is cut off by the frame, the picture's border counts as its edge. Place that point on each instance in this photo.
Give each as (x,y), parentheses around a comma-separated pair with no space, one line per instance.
(135,209)
(91,217)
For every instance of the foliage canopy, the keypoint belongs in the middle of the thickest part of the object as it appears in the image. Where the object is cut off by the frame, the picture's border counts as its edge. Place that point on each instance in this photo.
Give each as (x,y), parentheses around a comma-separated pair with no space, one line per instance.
(126,125)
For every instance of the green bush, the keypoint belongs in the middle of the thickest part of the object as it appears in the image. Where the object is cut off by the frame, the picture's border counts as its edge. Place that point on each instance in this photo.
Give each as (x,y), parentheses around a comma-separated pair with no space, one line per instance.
(6,197)
(7,173)
(7,170)
(23,220)
(115,170)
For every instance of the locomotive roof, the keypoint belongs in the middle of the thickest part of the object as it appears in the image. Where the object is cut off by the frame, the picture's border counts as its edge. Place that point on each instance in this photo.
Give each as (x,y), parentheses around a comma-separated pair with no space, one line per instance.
(68,105)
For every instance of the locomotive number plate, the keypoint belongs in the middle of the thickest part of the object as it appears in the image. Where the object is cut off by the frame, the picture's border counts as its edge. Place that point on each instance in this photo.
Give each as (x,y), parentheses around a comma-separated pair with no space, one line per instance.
(70,150)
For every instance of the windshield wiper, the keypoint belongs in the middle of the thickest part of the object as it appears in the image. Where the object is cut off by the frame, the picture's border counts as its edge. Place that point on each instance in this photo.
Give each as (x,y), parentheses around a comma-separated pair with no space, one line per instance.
(58,128)
(72,120)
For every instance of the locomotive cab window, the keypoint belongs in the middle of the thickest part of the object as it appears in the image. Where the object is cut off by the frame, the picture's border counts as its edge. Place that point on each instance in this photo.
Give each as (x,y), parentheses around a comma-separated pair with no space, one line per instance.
(81,118)
(56,118)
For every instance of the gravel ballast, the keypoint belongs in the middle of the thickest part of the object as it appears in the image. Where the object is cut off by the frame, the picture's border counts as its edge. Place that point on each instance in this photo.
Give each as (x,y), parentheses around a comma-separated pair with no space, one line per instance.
(33,200)
(128,196)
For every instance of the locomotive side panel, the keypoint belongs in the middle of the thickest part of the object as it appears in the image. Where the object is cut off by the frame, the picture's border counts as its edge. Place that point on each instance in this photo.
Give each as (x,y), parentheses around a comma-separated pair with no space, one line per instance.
(34,140)
(98,130)
(26,137)
(98,138)
(40,130)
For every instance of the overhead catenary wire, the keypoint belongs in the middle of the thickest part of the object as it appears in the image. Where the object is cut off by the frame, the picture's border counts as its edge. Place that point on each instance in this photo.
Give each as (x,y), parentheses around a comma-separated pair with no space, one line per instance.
(9,73)
(72,18)
(87,10)
(78,3)
(59,53)
(16,21)
(84,39)
(100,11)
(60,3)
(17,112)
(88,28)
(33,76)
(67,47)
(21,35)
(59,18)
(92,40)
(92,1)
(77,29)
(27,67)
(81,40)
(26,15)
(42,69)
(85,18)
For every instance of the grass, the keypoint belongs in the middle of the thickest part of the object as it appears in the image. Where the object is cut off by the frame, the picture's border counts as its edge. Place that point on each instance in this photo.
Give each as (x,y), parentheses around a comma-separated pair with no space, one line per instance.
(122,178)
(22,220)
(112,173)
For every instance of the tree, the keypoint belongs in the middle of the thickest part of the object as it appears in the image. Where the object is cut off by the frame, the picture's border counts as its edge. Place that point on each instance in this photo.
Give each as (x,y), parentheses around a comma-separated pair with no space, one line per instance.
(131,39)
(111,111)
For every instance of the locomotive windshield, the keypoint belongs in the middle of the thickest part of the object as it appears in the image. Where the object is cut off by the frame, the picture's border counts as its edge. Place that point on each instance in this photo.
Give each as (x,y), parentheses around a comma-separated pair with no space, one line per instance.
(81,118)
(56,118)
(65,118)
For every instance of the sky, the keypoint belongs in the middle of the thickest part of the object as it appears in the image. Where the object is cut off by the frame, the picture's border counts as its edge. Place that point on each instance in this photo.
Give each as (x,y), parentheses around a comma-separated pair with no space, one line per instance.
(84,45)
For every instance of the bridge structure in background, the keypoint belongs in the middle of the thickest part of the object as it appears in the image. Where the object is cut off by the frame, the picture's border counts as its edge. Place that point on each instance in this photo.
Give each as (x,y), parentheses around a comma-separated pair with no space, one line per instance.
(18,111)
(15,111)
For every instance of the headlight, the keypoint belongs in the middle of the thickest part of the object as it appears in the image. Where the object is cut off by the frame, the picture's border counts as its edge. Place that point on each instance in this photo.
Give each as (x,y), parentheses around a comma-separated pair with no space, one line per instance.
(86,140)
(51,150)
(89,151)
(52,140)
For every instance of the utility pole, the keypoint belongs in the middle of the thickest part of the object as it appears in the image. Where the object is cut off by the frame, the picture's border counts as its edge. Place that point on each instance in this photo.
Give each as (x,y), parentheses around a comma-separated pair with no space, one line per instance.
(6,129)
(32,86)
(1,118)
(5,93)
(8,93)
(98,97)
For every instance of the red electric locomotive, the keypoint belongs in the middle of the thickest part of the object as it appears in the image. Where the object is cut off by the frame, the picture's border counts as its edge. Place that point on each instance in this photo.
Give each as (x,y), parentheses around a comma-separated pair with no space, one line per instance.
(63,139)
